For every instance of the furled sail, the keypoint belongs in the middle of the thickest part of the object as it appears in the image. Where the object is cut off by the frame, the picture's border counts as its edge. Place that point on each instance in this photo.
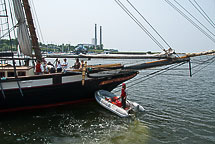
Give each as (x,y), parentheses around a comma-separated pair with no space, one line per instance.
(22,31)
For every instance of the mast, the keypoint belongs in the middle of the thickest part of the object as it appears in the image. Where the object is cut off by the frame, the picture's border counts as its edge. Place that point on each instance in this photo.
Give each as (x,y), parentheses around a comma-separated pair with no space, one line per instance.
(35,44)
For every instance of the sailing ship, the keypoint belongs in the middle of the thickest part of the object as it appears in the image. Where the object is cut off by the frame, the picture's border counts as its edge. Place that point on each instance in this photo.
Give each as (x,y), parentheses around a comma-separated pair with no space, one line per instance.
(21,89)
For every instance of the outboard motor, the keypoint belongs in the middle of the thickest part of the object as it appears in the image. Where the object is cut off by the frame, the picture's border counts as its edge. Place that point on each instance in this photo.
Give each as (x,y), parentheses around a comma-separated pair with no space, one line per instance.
(137,107)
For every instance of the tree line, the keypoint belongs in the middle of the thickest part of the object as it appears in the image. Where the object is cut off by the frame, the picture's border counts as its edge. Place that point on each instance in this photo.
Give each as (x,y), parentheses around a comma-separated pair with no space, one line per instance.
(8,45)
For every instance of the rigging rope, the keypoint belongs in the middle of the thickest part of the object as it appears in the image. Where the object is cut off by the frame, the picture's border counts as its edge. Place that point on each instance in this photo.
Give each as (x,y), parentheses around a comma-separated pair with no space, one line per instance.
(195,18)
(37,21)
(151,75)
(208,62)
(7,33)
(139,24)
(11,48)
(190,20)
(149,23)
(203,13)
(203,62)
(204,66)
(13,27)
(163,70)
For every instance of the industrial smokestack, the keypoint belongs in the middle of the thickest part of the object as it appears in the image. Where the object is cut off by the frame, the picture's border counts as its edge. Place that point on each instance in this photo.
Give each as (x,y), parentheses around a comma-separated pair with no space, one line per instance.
(95,35)
(101,46)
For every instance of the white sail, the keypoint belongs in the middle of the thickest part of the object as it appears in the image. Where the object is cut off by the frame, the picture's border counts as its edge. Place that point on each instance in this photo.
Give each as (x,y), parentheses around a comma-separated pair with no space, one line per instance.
(22,31)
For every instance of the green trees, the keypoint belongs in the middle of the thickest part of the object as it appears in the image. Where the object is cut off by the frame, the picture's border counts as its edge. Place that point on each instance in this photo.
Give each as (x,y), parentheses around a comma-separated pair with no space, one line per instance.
(6,45)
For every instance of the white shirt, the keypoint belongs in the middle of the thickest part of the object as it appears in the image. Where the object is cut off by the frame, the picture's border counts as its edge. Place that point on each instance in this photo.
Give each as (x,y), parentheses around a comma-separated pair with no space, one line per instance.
(65,65)
(59,66)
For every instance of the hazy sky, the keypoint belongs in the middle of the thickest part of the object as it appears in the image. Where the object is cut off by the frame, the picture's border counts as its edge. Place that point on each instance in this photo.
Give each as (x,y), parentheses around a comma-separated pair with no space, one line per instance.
(72,21)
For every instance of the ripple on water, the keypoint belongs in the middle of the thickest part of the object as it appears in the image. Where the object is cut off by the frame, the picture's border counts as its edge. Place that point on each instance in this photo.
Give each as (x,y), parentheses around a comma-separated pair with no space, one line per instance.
(179,110)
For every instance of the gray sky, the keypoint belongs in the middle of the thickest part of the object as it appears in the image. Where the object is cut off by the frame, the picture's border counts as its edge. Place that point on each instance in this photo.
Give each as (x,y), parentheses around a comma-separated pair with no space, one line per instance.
(72,21)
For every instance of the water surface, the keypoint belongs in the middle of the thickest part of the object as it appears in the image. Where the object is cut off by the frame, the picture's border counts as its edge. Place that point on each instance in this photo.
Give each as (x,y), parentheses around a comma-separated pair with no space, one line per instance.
(179,110)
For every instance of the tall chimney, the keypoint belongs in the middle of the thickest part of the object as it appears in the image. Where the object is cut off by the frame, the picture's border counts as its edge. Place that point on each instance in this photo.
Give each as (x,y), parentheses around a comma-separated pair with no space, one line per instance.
(101,46)
(95,35)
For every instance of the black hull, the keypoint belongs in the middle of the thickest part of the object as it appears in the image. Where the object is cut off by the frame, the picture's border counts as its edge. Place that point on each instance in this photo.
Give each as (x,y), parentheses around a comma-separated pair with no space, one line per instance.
(58,93)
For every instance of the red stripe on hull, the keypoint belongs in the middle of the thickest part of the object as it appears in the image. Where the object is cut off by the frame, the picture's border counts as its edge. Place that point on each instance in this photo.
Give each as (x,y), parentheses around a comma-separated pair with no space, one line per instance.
(45,106)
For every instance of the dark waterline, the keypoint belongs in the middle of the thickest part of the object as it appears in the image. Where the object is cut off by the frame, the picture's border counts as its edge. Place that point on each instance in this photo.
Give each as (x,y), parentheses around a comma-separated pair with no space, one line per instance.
(179,109)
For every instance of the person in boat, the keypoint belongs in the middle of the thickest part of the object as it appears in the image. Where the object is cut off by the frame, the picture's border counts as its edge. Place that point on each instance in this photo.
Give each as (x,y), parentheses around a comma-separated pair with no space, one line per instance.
(50,67)
(64,65)
(44,64)
(115,100)
(59,67)
(82,64)
(123,95)
(77,64)
(56,62)
(43,61)
(26,62)
(39,68)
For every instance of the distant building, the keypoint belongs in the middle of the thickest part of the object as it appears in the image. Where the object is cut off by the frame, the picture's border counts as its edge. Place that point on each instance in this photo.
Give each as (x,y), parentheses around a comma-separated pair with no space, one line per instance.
(93,42)
(82,48)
